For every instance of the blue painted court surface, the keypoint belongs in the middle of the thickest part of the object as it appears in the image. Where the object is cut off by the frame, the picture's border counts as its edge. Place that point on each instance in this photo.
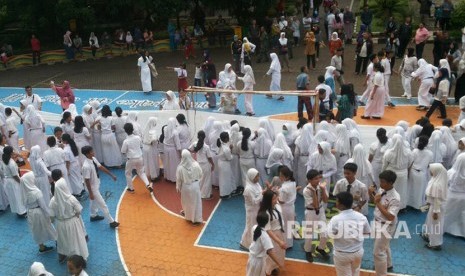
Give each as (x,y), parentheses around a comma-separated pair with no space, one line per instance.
(409,256)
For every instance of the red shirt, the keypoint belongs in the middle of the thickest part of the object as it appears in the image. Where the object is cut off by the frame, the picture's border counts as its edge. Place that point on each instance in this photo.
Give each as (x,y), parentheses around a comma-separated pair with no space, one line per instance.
(35,44)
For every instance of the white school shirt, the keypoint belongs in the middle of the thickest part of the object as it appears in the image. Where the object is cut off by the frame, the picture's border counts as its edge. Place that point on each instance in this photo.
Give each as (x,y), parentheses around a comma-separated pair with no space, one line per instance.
(34,99)
(288,193)
(132,147)
(328,90)
(386,63)
(391,201)
(358,190)
(336,61)
(11,123)
(89,172)
(353,225)
(181,72)
(443,90)
(276,223)
(203,154)
(370,72)
(198,73)
(54,156)
(308,196)
(259,247)
(69,155)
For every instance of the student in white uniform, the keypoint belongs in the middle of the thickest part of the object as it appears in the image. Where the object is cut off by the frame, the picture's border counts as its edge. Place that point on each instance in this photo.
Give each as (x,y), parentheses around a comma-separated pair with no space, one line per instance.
(281,143)
(275,229)
(225,174)
(73,165)
(323,161)
(253,195)
(436,196)
(12,123)
(204,157)
(348,241)
(261,248)
(419,173)
(66,209)
(246,154)
(82,136)
(184,131)
(54,158)
(354,133)
(315,196)
(287,197)
(38,215)
(266,124)
(352,185)
(67,124)
(110,150)
(364,168)
(150,153)
(376,153)
(451,146)
(188,175)
(305,145)
(262,149)
(249,82)
(274,162)
(35,127)
(235,138)
(11,180)
(95,130)
(387,202)
(425,73)
(437,147)
(29,99)
(454,215)
(76,265)
(132,118)
(341,151)
(38,269)
(119,120)
(132,149)
(3,197)
(171,102)
(386,63)
(92,181)
(172,150)
(41,173)
(398,159)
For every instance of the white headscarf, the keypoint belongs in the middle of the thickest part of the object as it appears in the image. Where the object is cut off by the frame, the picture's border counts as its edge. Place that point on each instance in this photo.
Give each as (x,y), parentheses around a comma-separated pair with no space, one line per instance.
(448,140)
(72,109)
(132,118)
(33,117)
(35,158)
(188,168)
(353,129)
(95,107)
(324,125)
(398,154)
(61,202)
(324,136)
(280,143)
(457,173)
(171,104)
(217,128)
(86,109)
(248,74)
(462,102)
(263,143)
(251,174)
(412,134)
(436,146)
(283,39)
(208,124)
(227,79)
(275,64)
(403,124)
(437,186)
(235,136)
(342,144)
(30,191)
(38,269)
(359,157)
(276,157)
(330,72)
(150,133)
(170,129)
(306,142)
(334,36)
(268,126)
(291,134)
(443,63)
(323,161)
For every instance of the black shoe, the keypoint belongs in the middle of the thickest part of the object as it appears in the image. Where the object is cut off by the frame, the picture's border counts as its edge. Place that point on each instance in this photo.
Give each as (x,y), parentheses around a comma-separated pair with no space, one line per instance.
(150,189)
(390,269)
(391,104)
(377,118)
(114,224)
(96,218)
(424,237)
(281,98)
(130,190)
(45,250)
(23,216)
(365,117)
(237,111)
(243,248)
(322,253)
(182,213)
(436,248)
(309,257)
(360,103)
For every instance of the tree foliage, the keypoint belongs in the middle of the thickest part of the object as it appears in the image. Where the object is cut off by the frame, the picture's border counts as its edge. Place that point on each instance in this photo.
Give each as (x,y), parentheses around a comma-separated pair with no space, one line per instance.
(383,9)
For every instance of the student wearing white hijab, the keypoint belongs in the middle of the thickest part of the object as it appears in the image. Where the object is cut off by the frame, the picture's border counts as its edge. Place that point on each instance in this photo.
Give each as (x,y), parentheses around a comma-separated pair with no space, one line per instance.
(253,195)
(454,216)
(266,124)
(354,133)
(364,168)
(436,196)
(280,143)
(226,177)
(275,72)
(235,138)
(323,160)
(262,149)
(38,269)
(188,174)
(245,149)
(132,118)
(283,50)
(38,215)
(377,151)
(72,109)
(342,151)
(324,125)
(462,109)
(171,102)
(325,136)
(249,82)
(425,73)
(227,79)
(443,63)
(418,174)
(213,137)
(275,160)
(64,207)
(290,134)
(95,131)
(10,173)
(119,119)
(460,149)
(150,153)
(207,128)
(437,147)
(451,146)
(204,157)
(398,159)
(172,150)
(305,145)
(412,135)
(41,173)
(35,126)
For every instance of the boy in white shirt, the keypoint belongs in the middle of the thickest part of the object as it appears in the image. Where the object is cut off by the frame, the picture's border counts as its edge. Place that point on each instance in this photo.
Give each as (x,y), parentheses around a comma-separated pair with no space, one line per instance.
(386,63)
(12,131)
(132,149)
(92,181)
(352,185)
(198,74)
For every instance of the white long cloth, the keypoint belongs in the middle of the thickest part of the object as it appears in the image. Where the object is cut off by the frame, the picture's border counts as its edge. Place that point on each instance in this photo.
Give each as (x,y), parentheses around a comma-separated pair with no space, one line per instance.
(252,198)
(38,215)
(364,168)
(119,129)
(281,143)
(425,73)
(188,175)
(437,147)
(70,229)
(12,187)
(418,177)
(35,127)
(246,160)
(287,197)
(41,173)
(110,149)
(266,124)
(249,81)
(203,155)
(82,139)
(451,146)
(145,76)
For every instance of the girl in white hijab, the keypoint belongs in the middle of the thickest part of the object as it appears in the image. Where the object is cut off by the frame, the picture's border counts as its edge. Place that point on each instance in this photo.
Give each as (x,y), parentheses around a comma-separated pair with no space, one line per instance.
(398,159)
(462,108)
(342,150)
(290,134)
(208,127)
(418,175)
(280,143)
(412,135)
(249,82)
(305,145)
(443,63)
(377,151)
(364,169)
(38,215)
(96,133)
(460,149)
(132,118)
(252,198)
(437,147)
(275,160)
(227,78)
(283,49)
(72,109)
(354,133)
(262,149)
(41,173)
(171,102)
(451,146)
(275,72)
(324,125)
(35,125)
(323,160)
(454,215)
(425,73)
(266,124)
(213,136)
(38,269)
(188,175)
(436,196)
(172,150)
(150,153)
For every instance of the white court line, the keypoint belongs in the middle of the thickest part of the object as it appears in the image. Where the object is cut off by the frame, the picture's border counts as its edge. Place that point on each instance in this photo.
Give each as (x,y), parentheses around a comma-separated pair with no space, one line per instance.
(206,223)
(118,97)
(43,81)
(118,244)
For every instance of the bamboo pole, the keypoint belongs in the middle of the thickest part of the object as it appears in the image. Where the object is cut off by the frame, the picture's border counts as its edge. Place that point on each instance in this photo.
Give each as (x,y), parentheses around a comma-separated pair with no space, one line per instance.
(305,93)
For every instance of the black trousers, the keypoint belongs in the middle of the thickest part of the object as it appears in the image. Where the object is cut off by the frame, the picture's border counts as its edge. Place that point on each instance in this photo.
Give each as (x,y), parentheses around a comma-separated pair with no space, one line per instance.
(311,59)
(301,101)
(436,104)
(361,63)
(419,50)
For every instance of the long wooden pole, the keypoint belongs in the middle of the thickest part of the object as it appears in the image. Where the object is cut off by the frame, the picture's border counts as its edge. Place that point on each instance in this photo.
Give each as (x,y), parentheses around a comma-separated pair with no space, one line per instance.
(308,93)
